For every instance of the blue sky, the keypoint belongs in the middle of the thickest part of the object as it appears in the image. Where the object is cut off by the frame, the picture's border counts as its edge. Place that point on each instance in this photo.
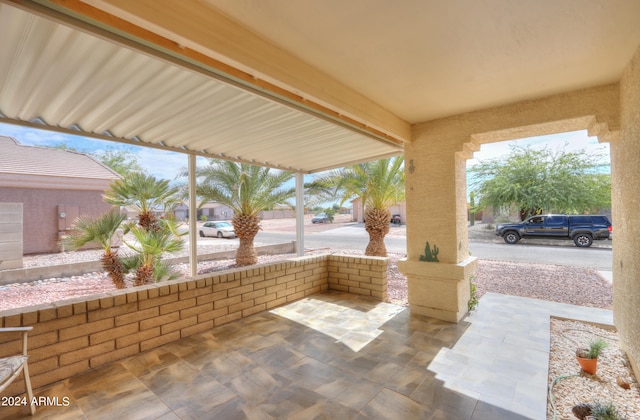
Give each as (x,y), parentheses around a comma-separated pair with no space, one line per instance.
(168,165)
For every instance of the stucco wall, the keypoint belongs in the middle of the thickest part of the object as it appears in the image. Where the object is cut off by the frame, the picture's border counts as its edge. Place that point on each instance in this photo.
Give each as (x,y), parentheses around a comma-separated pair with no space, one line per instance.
(436,183)
(40,209)
(73,336)
(625,166)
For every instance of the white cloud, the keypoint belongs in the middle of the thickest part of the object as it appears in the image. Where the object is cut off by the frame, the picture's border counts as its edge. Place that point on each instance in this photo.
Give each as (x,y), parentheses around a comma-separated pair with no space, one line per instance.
(573,141)
(162,163)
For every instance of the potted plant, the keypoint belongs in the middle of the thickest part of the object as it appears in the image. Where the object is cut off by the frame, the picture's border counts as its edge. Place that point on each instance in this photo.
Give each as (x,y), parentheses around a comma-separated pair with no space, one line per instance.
(588,357)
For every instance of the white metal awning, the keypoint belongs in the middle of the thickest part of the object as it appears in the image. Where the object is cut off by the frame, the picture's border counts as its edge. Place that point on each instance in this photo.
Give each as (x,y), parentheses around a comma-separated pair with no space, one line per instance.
(58,75)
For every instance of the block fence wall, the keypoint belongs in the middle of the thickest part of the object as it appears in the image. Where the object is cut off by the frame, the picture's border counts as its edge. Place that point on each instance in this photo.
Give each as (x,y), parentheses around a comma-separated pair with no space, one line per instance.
(76,335)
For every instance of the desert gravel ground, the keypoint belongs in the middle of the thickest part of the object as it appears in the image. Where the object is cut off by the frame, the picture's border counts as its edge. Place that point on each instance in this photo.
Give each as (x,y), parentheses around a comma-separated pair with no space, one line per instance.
(569,387)
(565,284)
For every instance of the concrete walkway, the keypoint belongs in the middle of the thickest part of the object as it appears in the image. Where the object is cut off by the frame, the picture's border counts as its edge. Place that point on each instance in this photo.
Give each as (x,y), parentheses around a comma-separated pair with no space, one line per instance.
(502,359)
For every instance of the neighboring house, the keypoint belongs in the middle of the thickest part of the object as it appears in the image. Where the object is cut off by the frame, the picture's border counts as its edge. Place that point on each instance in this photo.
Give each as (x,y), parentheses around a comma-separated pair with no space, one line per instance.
(214,211)
(54,186)
(217,211)
(357,213)
(181,211)
(133,213)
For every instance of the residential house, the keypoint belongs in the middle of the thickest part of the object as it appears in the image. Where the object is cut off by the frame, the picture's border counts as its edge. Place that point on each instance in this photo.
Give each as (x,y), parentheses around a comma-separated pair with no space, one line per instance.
(214,211)
(54,187)
(357,213)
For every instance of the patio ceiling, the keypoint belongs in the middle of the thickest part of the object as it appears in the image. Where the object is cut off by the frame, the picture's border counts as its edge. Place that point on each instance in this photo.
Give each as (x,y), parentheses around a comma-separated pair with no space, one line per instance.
(428,59)
(61,74)
(303,86)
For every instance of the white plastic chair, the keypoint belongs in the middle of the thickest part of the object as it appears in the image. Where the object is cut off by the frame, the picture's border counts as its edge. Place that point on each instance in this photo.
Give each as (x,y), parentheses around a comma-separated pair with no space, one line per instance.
(11,366)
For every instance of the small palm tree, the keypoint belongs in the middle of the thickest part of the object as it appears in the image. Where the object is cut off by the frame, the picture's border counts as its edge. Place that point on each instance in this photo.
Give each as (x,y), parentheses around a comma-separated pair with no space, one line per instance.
(379,184)
(101,230)
(150,245)
(144,193)
(247,190)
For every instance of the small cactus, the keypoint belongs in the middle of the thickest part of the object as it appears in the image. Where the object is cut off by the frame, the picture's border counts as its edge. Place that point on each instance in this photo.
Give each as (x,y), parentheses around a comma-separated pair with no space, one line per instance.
(430,255)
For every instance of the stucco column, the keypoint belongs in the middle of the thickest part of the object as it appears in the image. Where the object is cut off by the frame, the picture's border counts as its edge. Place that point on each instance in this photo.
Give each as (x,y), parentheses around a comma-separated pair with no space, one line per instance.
(625,172)
(435,165)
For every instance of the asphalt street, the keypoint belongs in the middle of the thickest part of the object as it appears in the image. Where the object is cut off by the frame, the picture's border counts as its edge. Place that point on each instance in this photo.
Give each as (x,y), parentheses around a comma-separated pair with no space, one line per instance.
(355,237)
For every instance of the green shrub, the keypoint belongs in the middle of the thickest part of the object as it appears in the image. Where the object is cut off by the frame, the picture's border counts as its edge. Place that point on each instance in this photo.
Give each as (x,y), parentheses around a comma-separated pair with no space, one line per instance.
(608,411)
(596,347)
(473,298)
(330,212)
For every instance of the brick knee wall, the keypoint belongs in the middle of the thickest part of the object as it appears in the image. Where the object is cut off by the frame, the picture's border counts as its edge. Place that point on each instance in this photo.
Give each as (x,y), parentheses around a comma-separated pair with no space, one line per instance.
(76,335)
(359,276)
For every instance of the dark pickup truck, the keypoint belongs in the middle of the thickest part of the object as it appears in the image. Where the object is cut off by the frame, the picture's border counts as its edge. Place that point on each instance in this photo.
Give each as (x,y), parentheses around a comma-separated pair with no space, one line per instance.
(582,229)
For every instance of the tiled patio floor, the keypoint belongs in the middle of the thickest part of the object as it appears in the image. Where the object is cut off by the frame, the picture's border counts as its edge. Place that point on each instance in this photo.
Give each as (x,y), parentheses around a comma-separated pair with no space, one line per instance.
(334,356)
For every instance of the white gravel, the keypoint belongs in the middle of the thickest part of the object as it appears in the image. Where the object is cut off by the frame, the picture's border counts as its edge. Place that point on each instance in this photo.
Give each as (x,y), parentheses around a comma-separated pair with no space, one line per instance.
(572,387)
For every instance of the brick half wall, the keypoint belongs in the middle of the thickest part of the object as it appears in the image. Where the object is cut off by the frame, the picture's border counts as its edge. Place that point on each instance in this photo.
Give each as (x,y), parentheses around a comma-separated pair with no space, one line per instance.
(76,335)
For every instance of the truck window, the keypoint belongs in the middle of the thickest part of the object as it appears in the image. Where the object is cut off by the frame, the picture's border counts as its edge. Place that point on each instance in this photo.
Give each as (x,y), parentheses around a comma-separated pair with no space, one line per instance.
(602,220)
(581,220)
(554,220)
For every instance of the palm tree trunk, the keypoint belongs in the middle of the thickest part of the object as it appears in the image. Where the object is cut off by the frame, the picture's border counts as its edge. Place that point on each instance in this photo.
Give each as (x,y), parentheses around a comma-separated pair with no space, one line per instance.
(148,221)
(144,275)
(113,266)
(377,225)
(246,227)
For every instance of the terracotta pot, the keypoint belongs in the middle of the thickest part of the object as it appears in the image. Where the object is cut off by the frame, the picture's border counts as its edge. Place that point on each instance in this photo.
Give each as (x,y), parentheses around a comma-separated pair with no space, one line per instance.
(588,365)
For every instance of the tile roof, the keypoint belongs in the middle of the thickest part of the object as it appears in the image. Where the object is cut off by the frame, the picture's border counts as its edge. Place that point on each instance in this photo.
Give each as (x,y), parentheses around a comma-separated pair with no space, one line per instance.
(44,161)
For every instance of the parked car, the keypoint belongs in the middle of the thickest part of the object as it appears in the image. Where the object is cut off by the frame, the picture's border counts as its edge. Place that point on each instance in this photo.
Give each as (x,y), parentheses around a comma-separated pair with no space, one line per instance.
(218,229)
(582,229)
(321,218)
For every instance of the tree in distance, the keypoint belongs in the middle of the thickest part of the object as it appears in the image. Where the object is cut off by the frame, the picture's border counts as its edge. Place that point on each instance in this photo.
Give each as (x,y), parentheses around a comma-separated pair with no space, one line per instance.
(121,161)
(535,181)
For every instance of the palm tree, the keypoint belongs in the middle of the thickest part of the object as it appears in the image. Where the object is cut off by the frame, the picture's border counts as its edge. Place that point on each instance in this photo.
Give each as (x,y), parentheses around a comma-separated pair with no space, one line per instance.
(150,245)
(378,184)
(144,193)
(247,190)
(101,230)
(154,237)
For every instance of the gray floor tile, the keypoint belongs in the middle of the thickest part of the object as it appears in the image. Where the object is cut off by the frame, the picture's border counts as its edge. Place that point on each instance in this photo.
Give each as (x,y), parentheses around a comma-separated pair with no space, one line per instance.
(336,356)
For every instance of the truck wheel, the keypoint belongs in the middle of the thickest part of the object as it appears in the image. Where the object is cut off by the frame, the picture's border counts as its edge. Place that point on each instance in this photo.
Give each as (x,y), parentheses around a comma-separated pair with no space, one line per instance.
(511,237)
(583,240)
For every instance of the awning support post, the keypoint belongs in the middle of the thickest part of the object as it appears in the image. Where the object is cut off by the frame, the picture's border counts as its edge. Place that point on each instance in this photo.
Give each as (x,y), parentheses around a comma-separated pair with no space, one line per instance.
(300,214)
(193,216)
